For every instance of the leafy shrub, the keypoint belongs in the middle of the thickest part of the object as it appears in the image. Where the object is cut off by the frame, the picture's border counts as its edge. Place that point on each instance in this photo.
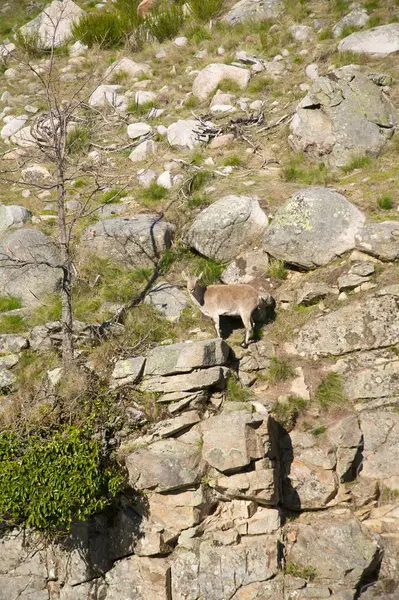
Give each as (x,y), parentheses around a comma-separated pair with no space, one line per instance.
(30,43)
(105,29)
(204,10)
(330,391)
(9,303)
(47,482)
(165,21)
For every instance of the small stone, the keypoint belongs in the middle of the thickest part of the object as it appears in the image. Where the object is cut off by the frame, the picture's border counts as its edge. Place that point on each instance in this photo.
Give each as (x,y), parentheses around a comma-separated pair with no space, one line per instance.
(143,151)
(180,41)
(137,130)
(222,141)
(312,71)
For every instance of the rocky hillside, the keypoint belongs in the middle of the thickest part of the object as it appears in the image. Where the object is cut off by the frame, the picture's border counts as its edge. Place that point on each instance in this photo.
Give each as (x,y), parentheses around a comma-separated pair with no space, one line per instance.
(249,143)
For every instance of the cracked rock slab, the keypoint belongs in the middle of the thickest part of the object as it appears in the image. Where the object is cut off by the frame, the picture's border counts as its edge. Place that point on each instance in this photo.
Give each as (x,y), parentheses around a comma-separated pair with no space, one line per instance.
(381,447)
(381,40)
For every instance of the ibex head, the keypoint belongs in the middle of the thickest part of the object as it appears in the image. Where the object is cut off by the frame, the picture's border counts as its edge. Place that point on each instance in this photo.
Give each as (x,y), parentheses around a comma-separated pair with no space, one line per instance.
(192,280)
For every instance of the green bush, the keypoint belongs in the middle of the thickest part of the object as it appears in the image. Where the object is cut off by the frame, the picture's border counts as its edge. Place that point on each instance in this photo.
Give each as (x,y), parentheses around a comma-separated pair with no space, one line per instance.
(205,10)
(236,392)
(154,192)
(385,202)
(9,303)
(303,571)
(287,413)
(47,482)
(164,22)
(297,169)
(105,29)
(30,43)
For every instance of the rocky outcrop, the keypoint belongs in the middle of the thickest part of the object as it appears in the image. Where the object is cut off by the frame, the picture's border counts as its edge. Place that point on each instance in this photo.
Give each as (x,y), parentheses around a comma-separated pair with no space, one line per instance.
(381,40)
(12,216)
(134,242)
(344,115)
(54,24)
(380,240)
(168,299)
(226,227)
(254,9)
(315,226)
(358,17)
(28,266)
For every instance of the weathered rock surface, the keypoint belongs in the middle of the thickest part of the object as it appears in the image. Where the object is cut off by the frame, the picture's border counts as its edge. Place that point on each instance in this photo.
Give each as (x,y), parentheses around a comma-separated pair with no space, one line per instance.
(380,240)
(54,24)
(107,95)
(23,572)
(368,324)
(128,66)
(196,380)
(246,268)
(209,78)
(310,293)
(183,134)
(143,151)
(128,370)
(138,577)
(185,357)
(378,40)
(168,299)
(13,216)
(344,115)
(134,242)
(315,226)
(381,448)
(254,9)
(28,261)
(226,227)
(358,17)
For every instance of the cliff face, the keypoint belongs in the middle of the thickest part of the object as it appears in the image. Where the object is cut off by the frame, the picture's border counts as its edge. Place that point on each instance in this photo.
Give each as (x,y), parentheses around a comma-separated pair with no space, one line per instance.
(257,152)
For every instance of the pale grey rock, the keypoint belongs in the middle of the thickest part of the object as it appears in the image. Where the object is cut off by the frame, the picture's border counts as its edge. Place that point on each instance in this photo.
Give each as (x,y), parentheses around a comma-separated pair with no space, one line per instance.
(381,40)
(246,268)
(27,261)
(134,242)
(167,299)
(142,97)
(381,447)
(128,66)
(36,173)
(220,572)
(380,240)
(165,180)
(358,17)
(13,216)
(315,226)
(226,227)
(180,41)
(232,440)
(257,356)
(164,466)
(254,9)
(54,24)
(196,380)
(364,325)
(184,357)
(12,126)
(346,439)
(349,281)
(209,78)
(6,50)
(301,33)
(11,343)
(108,95)
(146,177)
(312,71)
(77,49)
(23,138)
(128,370)
(136,578)
(7,379)
(143,151)
(311,293)
(344,115)
(137,130)
(23,572)
(171,427)
(183,134)
(369,375)
(351,549)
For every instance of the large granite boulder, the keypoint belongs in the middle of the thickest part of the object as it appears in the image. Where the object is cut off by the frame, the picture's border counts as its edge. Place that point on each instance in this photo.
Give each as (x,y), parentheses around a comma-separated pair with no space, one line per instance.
(13,216)
(254,9)
(54,24)
(380,240)
(364,325)
(227,227)
(209,78)
(315,226)
(344,115)
(134,242)
(381,448)
(29,266)
(336,547)
(381,40)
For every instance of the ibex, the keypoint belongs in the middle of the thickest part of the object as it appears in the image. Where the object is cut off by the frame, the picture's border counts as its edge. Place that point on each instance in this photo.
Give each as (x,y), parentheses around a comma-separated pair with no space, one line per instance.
(145,7)
(233,300)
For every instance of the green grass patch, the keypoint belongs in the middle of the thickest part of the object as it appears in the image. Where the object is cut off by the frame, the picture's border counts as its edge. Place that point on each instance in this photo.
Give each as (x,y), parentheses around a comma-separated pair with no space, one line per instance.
(165,21)
(347,30)
(297,9)
(236,392)
(297,169)
(78,139)
(279,370)
(385,202)
(30,44)
(325,34)
(9,303)
(205,10)
(318,430)
(330,392)
(100,28)
(259,84)
(304,572)
(12,324)
(357,162)
(375,21)
(233,160)
(229,86)
(197,33)
(49,310)
(211,269)
(140,110)
(198,200)
(277,269)
(154,192)
(287,412)
(113,196)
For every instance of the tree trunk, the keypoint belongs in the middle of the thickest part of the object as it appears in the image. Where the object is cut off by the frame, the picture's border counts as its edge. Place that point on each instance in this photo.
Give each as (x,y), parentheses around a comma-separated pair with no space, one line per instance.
(66,290)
